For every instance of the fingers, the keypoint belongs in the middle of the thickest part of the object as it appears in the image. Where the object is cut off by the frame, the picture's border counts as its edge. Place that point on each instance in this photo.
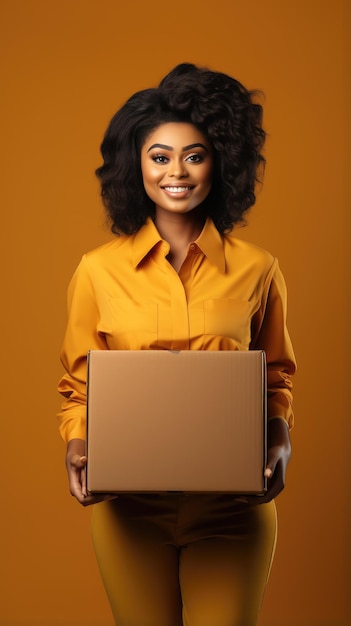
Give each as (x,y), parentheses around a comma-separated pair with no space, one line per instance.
(77,472)
(76,467)
(83,479)
(276,481)
(78,461)
(97,497)
(275,470)
(275,454)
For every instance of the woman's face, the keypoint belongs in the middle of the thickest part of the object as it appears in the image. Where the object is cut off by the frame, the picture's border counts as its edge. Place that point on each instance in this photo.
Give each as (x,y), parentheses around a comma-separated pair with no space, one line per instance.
(177,165)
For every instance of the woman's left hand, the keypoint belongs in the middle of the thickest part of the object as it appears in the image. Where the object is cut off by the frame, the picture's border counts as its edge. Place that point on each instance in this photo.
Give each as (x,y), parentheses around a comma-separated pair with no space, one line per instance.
(278,455)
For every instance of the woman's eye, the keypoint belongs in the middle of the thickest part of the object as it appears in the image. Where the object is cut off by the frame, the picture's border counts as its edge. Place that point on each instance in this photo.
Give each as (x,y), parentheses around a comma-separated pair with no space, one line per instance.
(159,158)
(195,158)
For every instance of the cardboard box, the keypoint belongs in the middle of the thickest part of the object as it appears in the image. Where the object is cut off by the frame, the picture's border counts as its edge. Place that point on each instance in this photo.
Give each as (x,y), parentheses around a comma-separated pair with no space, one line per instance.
(190,421)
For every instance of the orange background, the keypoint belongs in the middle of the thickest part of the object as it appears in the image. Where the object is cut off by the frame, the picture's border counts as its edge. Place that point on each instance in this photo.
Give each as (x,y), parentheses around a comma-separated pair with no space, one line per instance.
(67,66)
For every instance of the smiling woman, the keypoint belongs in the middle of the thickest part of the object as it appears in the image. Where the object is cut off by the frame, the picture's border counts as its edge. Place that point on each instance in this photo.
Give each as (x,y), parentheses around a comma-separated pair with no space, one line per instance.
(180,167)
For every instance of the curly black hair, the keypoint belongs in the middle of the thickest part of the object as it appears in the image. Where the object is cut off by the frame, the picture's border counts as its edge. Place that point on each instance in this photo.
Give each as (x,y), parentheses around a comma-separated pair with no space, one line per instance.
(221,108)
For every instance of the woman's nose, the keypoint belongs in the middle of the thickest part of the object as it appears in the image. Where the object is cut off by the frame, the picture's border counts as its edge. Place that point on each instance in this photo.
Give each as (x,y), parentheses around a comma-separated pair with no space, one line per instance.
(177,168)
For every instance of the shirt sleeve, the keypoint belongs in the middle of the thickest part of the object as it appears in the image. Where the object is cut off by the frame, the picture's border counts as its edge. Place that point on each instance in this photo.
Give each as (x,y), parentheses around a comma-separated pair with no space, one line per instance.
(270,333)
(80,337)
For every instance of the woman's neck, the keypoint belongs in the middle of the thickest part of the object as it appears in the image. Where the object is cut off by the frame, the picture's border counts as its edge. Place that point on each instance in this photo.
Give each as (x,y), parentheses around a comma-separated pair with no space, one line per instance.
(179,230)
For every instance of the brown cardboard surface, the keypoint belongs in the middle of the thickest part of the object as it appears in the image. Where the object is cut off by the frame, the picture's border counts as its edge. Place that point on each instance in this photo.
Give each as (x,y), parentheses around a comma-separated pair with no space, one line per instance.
(190,421)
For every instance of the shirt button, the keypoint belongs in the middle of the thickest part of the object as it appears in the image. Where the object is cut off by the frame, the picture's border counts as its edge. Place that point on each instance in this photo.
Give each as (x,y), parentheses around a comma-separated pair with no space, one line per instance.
(192,247)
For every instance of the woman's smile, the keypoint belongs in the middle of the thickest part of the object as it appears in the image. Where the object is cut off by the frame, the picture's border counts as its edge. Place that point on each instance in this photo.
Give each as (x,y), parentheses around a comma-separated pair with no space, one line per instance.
(180,191)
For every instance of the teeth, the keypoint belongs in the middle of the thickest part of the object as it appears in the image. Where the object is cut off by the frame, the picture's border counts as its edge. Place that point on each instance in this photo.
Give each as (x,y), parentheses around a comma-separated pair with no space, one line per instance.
(177,189)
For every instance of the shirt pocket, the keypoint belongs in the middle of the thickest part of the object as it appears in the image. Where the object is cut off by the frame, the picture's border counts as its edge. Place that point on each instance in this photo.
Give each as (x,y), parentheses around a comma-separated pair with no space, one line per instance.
(130,324)
(228,318)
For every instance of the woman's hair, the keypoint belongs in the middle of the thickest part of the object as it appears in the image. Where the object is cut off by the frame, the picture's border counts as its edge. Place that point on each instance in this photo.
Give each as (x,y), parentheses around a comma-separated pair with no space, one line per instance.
(221,108)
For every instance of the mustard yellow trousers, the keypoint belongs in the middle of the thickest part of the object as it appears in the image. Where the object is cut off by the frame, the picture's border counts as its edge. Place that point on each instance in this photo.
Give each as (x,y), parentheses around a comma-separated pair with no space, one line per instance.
(184,560)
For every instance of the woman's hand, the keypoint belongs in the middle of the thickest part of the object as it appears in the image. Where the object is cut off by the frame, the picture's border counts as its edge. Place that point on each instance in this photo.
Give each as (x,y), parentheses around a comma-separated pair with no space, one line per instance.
(76,462)
(278,456)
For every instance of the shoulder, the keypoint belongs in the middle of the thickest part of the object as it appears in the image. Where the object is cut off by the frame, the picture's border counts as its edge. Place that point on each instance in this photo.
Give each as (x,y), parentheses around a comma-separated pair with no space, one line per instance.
(248,252)
(96,262)
(107,251)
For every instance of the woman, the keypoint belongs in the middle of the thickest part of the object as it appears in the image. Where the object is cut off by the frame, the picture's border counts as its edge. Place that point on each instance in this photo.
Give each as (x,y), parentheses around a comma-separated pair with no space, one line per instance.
(180,167)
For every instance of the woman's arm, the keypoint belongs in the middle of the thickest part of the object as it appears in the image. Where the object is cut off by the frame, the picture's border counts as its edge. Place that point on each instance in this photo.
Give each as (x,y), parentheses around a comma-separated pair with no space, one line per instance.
(271,335)
(80,337)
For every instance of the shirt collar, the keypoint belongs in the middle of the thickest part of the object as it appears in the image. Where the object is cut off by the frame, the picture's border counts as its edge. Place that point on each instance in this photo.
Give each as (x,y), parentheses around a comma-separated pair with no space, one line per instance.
(145,240)
(211,244)
(209,241)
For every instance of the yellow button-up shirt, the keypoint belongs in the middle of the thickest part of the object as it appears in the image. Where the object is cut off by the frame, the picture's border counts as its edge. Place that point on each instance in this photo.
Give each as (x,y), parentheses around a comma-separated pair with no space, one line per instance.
(125,295)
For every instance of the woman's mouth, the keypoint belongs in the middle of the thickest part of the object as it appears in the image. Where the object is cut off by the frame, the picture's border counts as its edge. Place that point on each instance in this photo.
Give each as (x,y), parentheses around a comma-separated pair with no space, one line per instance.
(178,190)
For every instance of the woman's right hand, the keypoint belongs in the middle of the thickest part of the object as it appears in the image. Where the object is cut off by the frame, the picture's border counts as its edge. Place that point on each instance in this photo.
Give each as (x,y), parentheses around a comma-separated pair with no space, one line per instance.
(76,462)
